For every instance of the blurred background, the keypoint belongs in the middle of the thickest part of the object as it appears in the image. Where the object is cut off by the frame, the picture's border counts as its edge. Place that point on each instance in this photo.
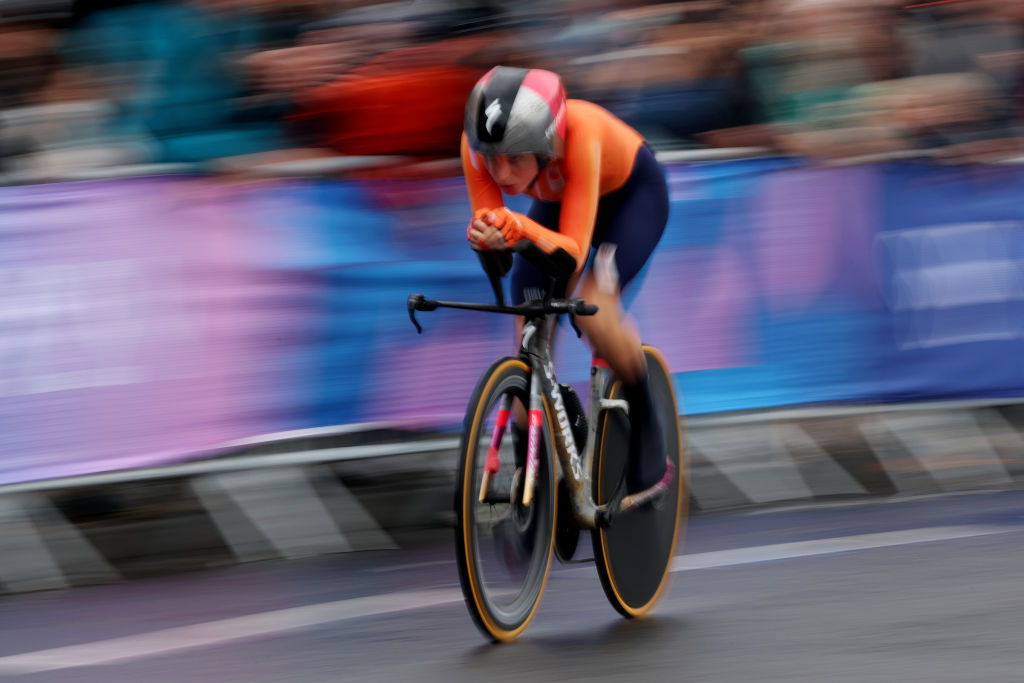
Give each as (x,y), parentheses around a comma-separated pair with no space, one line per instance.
(214,209)
(212,212)
(93,84)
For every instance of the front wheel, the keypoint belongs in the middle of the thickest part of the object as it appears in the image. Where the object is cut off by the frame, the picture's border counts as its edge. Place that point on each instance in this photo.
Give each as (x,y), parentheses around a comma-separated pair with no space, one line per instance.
(504,547)
(634,554)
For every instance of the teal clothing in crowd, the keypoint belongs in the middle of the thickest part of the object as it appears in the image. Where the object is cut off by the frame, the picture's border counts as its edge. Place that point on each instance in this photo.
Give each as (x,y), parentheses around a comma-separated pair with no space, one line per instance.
(172,70)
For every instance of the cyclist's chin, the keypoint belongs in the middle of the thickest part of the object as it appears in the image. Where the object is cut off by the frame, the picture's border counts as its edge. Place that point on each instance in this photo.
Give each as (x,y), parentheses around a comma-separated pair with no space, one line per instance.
(512,189)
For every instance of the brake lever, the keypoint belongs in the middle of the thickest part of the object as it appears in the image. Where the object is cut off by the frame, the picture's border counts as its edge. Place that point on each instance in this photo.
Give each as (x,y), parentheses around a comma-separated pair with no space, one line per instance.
(412,311)
(415,303)
(575,327)
(579,307)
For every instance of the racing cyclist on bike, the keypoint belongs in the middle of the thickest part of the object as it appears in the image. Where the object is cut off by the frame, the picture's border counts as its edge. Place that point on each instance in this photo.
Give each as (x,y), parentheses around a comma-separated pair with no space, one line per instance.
(596,186)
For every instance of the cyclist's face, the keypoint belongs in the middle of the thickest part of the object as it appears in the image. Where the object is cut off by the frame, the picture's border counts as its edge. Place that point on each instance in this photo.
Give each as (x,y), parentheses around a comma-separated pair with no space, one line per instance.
(513,172)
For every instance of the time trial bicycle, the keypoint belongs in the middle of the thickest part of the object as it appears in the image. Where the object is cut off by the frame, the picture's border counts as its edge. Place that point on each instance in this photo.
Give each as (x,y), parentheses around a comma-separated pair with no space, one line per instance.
(513,516)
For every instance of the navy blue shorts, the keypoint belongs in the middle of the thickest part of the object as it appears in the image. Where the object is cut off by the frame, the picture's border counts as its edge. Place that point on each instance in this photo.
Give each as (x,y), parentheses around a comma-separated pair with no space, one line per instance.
(632,218)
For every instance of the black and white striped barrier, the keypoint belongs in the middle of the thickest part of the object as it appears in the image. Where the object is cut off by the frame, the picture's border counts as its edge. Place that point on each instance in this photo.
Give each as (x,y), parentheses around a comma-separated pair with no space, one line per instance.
(309,497)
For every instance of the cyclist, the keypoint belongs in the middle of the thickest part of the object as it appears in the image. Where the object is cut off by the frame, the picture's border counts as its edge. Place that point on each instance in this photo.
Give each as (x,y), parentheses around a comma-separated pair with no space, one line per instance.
(596,185)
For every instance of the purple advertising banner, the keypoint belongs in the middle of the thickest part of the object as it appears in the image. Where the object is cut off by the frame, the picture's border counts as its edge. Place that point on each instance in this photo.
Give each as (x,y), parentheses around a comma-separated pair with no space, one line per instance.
(147,321)
(156,320)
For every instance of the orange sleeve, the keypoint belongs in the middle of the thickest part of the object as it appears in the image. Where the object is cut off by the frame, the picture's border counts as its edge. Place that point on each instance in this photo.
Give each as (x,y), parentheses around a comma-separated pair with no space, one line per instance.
(582,193)
(484,194)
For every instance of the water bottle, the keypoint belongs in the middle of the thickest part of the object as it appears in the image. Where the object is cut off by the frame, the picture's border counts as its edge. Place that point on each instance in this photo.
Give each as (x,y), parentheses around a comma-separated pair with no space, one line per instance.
(577,416)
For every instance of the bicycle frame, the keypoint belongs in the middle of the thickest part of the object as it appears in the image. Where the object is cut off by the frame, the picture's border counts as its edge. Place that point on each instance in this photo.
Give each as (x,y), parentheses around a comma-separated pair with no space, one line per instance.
(578,469)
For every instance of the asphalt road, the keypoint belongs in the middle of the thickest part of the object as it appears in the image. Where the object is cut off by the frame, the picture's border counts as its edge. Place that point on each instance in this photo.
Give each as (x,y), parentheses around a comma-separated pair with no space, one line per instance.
(912,589)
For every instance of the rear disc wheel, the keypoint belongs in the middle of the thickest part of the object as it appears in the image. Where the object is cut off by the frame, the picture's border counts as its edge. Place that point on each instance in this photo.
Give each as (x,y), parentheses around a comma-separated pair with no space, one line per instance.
(634,555)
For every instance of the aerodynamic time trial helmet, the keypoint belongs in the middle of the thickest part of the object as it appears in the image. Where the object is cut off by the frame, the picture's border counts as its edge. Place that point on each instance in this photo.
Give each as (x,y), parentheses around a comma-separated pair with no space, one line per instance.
(517,111)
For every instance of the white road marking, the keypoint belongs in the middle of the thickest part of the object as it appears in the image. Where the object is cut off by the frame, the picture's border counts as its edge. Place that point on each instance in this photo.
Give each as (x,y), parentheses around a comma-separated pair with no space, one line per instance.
(410,567)
(214,633)
(220,632)
(828,546)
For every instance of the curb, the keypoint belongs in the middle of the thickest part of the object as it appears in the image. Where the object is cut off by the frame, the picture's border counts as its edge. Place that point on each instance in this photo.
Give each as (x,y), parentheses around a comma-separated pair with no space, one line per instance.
(383,488)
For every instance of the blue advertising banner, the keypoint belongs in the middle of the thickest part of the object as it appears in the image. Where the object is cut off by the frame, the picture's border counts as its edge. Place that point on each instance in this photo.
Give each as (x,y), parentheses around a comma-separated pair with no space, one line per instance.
(770,263)
(950,249)
(153,320)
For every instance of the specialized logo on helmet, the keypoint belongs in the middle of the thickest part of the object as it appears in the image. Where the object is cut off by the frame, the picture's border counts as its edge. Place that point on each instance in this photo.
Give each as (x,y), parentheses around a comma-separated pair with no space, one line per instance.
(493,112)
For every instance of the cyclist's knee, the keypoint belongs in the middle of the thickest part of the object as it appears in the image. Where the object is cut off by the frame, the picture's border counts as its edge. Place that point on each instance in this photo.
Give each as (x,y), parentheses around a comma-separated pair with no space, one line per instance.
(607,320)
(592,288)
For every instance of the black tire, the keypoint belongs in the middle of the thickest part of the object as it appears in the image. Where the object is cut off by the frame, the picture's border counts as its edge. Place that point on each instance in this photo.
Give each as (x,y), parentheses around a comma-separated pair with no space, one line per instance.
(504,550)
(634,555)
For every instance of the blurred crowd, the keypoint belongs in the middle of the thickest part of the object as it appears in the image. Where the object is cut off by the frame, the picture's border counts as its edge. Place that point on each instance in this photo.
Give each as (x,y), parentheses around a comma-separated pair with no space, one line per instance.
(240,84)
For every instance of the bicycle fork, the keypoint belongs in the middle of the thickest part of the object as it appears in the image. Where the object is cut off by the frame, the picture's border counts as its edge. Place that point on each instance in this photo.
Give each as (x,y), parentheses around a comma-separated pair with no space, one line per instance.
(493,462)
(536,416)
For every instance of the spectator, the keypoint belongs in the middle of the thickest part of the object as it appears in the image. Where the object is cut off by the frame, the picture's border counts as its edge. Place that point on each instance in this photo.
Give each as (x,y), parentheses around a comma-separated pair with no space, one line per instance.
(804,66)
(681,68)
(386,82)
(966,69)
(810,52)
(50,119)
(173,70)
(26,61)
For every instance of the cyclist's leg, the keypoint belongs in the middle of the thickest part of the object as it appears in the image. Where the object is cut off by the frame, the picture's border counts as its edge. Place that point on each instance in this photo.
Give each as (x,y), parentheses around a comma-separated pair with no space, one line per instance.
(633,220)
(616,342)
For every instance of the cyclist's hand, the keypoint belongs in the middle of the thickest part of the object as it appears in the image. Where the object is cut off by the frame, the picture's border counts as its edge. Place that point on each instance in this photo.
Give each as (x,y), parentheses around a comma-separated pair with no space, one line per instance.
(504,220)
(485,237)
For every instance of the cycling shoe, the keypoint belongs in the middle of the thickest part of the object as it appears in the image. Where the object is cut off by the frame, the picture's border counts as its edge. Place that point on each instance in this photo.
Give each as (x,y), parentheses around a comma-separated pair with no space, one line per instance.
(653,494)
(647,450)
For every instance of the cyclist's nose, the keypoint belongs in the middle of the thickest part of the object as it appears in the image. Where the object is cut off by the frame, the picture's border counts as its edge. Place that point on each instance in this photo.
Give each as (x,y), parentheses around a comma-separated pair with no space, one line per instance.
(502,171)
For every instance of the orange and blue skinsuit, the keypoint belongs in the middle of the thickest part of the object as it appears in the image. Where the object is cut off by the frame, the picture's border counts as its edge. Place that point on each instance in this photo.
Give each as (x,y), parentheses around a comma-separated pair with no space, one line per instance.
(608,189)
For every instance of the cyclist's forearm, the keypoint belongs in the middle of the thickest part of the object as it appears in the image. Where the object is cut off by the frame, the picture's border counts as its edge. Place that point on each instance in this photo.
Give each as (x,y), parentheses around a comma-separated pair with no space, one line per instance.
(549,240)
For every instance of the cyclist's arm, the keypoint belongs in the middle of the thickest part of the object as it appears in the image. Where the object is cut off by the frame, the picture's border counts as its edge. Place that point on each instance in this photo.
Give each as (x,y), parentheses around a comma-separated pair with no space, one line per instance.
(581,196)
(484,194)
(483,191)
